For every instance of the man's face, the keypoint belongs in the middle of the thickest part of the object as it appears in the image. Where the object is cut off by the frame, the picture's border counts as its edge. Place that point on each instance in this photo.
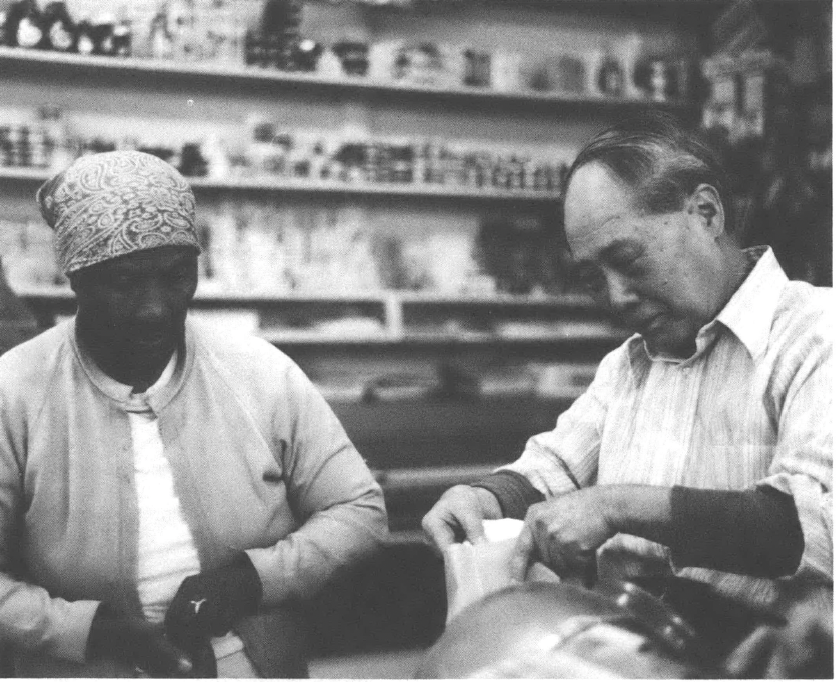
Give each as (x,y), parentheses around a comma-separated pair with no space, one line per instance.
(653,271)
(135,305)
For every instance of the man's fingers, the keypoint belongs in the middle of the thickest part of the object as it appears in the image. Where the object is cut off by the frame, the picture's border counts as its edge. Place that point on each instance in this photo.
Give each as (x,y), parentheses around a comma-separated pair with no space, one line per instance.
(457,513)
(471,523)
(751,656)
(438,532)
(523,554)
(589,572)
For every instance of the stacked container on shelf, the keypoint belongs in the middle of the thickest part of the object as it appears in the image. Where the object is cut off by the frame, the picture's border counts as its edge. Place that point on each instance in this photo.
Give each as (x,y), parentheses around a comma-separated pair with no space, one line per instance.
(47,139)
(232,34)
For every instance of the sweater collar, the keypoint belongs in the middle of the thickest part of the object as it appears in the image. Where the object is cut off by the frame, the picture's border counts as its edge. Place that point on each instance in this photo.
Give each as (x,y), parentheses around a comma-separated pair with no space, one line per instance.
(122,394)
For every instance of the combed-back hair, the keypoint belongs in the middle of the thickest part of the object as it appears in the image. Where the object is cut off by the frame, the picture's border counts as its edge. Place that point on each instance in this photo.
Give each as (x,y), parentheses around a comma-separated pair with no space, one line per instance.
(661,161)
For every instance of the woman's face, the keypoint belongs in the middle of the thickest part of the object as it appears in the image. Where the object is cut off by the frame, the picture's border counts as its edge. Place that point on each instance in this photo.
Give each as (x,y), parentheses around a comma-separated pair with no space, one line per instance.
(134,307)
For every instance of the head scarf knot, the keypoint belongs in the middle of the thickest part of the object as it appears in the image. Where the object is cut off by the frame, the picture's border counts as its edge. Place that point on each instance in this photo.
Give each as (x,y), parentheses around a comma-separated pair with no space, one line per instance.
(112,204)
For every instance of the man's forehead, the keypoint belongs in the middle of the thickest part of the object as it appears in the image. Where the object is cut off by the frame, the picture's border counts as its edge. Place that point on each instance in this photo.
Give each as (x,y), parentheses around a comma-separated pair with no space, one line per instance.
(595,196)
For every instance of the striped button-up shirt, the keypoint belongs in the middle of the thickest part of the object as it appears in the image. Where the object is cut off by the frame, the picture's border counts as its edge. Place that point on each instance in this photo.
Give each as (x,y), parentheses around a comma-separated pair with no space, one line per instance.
(752,406)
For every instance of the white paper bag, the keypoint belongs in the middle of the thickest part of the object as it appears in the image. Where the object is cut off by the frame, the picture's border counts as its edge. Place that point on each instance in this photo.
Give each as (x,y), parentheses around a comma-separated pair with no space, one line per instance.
(473,571)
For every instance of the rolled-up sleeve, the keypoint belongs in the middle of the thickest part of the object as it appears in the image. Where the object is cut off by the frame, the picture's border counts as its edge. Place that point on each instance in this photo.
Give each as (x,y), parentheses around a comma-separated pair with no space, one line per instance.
(802,465)
(339,504)
(566,458)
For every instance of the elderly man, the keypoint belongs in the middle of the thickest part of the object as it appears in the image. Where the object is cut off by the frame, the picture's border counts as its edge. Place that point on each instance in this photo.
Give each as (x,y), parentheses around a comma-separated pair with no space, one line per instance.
(166,489)
(703,447)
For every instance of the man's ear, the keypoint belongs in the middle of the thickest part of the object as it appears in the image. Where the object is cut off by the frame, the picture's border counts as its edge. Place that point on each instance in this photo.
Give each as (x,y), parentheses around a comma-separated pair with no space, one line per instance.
(704,205)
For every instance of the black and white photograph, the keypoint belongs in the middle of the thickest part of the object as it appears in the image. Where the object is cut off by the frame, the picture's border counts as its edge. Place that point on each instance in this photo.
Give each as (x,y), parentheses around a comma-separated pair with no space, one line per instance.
(416,339)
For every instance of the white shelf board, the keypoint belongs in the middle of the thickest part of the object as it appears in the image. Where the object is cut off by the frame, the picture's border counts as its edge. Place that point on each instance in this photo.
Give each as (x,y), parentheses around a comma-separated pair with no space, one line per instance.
(397,297)
(281,184)
(292,337)
(500,299)
(11,55)
(472,338)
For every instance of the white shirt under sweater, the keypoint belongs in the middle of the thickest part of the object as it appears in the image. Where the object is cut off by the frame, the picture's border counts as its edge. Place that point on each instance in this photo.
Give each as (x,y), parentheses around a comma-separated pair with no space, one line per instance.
(166,553)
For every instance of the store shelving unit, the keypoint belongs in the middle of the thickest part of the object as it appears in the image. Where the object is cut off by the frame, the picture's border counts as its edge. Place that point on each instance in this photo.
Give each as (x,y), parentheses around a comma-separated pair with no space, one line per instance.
(389,307)
(15,59)
(418,445)
(281,184)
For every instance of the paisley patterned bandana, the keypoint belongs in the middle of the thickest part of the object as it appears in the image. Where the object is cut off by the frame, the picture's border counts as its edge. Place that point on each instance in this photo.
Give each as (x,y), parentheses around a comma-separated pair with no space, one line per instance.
(108,205)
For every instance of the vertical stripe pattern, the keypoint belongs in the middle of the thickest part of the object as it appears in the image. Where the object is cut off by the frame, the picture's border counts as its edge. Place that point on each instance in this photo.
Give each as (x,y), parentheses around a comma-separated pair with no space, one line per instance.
(752,406)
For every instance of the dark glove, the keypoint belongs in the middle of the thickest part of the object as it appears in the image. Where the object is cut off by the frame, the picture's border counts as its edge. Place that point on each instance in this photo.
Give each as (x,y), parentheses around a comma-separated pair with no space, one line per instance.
(136,643)
(209,603)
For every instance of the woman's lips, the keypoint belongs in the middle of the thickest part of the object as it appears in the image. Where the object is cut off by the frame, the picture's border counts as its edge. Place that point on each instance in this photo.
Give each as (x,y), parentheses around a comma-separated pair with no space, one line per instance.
(150,340)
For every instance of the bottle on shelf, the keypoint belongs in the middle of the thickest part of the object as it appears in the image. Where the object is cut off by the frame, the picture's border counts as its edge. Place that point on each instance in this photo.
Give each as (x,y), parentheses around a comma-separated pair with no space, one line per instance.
(85,36)
(29,29)
(59,29)
(4,25)
(122,40)
(631,49)
(186,42)
(280,21)
(330,66)
(160,40)
(610,76)
(60,152)
(122,33)
(103,29)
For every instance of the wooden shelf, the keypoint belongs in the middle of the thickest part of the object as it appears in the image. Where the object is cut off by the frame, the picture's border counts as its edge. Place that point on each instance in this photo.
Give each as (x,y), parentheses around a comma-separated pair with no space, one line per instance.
(280,184)
(432,298)
(32,174)
(49,293)
(313,338)
(11,56)
(392,332)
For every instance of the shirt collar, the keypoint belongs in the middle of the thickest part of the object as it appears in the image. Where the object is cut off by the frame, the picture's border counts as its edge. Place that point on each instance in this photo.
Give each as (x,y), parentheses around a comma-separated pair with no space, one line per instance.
(750,311)
(748,314)
(156,397)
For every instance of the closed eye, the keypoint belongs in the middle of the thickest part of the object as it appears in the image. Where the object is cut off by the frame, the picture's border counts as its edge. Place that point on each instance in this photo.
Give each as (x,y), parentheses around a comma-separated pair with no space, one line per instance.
(590,278)
(628,265)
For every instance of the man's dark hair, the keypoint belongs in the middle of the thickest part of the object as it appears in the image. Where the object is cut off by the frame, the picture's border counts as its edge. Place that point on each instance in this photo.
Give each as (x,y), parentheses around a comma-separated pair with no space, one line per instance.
(661,161)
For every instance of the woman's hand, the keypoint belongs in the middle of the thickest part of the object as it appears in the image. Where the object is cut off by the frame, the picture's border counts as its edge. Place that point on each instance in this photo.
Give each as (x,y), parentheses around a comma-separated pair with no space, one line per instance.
(209,604)
(136,643)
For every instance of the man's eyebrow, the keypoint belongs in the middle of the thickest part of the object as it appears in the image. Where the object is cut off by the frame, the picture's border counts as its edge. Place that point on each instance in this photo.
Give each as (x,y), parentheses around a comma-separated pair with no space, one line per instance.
(615,246)
(607,252)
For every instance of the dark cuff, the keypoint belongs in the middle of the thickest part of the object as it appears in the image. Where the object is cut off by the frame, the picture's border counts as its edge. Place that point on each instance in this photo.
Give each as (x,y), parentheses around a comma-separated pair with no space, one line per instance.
(751,532)
(514,492)
(251,589)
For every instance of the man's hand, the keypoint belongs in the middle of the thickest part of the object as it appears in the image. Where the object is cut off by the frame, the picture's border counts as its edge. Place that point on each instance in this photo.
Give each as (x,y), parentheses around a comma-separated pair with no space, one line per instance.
(458,516)
(209,603)
(564,533)
(136,643)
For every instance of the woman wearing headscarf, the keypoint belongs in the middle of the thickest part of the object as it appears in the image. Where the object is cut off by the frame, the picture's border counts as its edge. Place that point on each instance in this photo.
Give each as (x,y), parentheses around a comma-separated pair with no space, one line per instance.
(167,491)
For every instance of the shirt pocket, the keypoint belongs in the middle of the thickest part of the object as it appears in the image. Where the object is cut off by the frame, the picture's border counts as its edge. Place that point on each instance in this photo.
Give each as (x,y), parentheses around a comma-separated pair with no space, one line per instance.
(732,445)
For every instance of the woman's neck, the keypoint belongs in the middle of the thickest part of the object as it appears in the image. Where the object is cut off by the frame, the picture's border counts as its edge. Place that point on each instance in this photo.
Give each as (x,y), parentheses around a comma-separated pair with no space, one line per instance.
(139,372)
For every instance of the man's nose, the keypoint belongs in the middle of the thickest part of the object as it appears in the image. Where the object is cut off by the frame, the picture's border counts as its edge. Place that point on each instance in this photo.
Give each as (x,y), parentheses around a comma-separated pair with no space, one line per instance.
(620,293)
